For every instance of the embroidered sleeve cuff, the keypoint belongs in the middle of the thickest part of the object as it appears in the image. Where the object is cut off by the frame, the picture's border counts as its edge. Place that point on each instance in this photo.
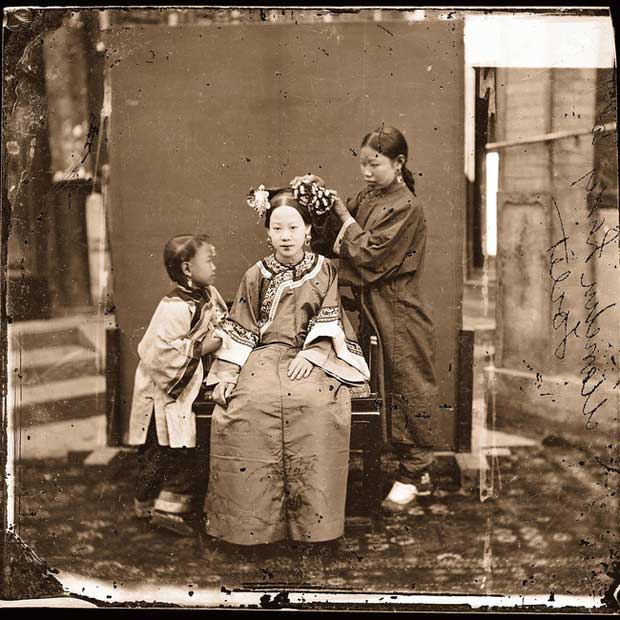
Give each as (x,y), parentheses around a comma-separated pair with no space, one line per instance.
(340,236)
(237,343)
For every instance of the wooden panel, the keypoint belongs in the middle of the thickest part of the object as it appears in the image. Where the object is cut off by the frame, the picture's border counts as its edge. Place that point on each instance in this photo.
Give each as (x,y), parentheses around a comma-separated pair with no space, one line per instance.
(465,390)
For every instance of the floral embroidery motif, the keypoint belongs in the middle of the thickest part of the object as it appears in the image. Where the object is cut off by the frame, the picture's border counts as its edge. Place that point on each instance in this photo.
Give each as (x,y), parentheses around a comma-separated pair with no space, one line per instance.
(240,334)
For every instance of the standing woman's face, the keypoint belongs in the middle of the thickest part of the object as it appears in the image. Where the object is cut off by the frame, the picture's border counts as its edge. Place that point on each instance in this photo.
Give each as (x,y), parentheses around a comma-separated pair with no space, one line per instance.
(378,170)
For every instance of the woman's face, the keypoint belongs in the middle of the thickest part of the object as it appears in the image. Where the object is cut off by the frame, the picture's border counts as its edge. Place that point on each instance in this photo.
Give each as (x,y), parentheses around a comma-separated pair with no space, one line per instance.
(378,170)
(287,231)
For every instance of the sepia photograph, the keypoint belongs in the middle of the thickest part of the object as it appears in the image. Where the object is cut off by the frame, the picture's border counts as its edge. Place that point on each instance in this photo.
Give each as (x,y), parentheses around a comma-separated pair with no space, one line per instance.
(310,308)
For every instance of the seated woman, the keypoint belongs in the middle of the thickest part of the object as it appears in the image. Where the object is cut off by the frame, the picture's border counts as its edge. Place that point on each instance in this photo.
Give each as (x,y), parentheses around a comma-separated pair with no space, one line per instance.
(280,432)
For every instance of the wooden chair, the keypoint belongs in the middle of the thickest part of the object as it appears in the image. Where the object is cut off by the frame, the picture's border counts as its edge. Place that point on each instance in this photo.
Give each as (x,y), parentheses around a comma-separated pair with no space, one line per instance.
(366,430)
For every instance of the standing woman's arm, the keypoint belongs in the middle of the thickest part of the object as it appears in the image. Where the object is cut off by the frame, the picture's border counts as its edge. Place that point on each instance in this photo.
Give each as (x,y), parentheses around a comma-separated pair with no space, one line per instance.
(325,233)
(379,250)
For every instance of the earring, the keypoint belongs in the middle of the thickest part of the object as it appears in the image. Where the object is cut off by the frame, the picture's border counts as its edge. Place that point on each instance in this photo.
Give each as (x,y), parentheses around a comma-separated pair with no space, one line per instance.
(190,284)
(308,238)
(269,242)
(399,176)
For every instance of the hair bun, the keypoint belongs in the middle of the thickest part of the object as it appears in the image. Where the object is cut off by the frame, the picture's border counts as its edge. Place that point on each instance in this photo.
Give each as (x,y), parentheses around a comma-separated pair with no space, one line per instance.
(316,199)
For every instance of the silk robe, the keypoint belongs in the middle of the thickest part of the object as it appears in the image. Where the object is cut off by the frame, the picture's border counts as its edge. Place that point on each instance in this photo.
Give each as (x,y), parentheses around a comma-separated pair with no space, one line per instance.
(280,448)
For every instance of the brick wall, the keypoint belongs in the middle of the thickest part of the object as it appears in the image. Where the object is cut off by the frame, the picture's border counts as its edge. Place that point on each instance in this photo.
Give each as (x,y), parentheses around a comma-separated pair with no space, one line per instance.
(550,292)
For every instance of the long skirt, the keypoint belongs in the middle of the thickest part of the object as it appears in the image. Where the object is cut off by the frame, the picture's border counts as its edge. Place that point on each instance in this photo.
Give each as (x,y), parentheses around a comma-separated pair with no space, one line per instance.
(279,455)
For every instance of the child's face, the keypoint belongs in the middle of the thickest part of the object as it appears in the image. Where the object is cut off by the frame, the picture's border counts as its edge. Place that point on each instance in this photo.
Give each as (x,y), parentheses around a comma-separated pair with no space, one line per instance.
(287,231)
(202,267)
(378,170)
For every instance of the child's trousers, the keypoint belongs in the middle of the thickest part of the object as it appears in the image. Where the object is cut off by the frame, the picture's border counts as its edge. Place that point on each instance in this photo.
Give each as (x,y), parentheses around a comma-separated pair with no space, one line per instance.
(170,479)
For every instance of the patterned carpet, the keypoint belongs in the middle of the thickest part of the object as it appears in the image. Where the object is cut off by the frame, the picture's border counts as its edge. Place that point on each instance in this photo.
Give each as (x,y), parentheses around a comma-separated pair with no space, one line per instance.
(551,527)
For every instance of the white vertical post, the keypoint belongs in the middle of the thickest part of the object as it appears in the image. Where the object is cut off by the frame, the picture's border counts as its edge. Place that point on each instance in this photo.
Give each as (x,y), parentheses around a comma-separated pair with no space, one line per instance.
(470,123)
(104,20)
(492,179)
(12,397)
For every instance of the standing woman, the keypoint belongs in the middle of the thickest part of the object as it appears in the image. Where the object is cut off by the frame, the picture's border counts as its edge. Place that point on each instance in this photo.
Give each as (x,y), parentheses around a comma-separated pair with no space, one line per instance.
(380,237)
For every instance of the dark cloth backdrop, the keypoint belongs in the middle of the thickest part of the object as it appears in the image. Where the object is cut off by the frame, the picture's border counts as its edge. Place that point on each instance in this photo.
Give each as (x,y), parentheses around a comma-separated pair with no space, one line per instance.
(200,114)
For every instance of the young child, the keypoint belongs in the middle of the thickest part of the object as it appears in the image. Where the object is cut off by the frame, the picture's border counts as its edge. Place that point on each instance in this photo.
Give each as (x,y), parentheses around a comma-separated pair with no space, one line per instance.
(380,237)
(280,432)
(167,381)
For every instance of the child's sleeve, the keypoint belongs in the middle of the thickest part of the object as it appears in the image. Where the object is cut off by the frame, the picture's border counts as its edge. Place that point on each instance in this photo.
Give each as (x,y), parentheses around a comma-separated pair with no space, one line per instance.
(239,332)
(220,309)
(216,315)
(168,353)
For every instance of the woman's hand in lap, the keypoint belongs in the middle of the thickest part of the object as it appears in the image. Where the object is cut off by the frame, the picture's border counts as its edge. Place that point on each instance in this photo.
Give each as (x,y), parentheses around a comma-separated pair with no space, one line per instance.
(222,392)
(299,368)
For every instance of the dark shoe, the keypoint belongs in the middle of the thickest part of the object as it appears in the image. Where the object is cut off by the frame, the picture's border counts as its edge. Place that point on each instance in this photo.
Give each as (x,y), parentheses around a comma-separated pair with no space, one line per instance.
(424,485)
(181,525)
(334,550)
(143,509)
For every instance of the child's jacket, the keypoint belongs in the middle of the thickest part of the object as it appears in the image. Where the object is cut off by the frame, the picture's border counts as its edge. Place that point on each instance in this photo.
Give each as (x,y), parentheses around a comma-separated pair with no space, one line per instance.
(170,372)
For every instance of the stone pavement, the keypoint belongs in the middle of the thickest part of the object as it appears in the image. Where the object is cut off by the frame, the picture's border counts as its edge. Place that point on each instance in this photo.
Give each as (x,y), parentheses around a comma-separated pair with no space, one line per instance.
(549,528)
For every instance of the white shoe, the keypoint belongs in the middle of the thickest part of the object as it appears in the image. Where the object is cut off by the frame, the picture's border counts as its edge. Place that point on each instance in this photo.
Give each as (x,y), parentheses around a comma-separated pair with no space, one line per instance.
(400,497)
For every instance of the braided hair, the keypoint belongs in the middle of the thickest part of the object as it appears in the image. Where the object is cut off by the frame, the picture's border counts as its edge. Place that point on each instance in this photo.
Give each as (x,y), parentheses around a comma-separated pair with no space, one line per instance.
(390,142)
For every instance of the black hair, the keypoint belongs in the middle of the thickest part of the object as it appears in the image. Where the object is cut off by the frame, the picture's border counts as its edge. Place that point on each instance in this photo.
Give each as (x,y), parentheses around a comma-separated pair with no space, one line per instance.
(390,142)
(180,249)
(284,197)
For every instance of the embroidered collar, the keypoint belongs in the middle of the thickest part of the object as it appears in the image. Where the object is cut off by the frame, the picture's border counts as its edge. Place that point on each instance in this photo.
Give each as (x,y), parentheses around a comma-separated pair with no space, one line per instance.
(197,295)
(306,264)
(280,277)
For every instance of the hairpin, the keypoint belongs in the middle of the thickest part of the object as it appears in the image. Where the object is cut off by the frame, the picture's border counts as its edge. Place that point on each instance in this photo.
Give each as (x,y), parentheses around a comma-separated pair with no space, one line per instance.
(258,199)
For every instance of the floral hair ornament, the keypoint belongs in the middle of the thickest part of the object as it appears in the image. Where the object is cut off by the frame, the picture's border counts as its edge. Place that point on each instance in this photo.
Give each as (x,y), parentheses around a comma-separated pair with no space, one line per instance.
(318,200)
(258,199)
